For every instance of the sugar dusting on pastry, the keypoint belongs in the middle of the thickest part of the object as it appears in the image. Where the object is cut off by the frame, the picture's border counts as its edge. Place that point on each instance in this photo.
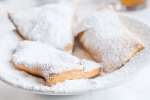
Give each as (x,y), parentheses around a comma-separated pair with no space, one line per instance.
(108,40)
(26,81)
(51,24)
(46,60)
(35,53)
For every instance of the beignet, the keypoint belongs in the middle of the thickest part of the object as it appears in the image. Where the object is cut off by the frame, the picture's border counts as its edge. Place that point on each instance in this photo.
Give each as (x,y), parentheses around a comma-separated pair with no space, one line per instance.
(51,24)
(107,40)
(52,64)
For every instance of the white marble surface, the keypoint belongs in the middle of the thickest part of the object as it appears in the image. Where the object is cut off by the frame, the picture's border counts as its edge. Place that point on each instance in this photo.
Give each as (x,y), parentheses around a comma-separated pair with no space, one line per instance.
(136,89)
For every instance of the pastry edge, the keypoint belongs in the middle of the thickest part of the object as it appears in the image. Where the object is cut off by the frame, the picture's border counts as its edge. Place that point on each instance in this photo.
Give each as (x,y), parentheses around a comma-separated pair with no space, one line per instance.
(53,79)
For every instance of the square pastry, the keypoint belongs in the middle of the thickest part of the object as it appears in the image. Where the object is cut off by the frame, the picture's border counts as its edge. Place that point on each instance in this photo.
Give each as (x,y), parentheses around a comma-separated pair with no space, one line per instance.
(51,24)
(52,64)
(107,40)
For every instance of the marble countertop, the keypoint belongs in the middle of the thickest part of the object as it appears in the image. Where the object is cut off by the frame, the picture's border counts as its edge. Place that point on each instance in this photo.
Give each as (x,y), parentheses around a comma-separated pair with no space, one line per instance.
(136,89)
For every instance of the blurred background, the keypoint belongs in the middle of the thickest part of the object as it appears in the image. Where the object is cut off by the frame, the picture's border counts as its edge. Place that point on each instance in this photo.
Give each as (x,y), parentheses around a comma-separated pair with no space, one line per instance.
(136,89)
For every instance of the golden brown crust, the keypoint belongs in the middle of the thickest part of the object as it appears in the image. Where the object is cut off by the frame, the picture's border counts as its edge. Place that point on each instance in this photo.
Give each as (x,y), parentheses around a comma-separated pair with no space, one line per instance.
(61,77)
(95,55)
(69,47)
(17,28)
(72,75)
(79,51)
(34,71)
(138,47)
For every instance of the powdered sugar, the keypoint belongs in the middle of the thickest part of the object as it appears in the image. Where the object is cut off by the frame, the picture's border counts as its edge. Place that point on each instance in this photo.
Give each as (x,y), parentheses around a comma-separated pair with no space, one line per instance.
(51,24)
(108,40)
(9,41)
(49,59)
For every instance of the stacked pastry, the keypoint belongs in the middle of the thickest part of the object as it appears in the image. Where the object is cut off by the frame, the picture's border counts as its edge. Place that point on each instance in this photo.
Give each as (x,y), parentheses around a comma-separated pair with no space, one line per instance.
(49,42)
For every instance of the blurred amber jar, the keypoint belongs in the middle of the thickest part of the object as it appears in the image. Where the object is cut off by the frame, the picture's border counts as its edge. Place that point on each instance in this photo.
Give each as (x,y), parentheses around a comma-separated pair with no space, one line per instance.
(133,3)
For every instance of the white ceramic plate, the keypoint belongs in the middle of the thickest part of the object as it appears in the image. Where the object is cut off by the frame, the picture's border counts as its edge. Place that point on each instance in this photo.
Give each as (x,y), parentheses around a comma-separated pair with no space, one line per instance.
(19,79)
